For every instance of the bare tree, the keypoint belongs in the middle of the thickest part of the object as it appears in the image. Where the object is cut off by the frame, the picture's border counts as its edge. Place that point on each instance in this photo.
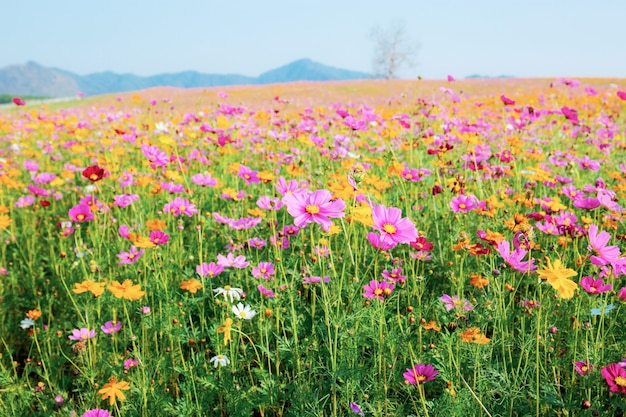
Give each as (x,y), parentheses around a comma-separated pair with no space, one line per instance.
(393,49)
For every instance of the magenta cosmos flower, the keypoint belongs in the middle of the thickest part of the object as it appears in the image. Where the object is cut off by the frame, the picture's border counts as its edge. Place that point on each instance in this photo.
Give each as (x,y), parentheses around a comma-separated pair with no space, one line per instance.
(212,269)
(80,213)
(419,374)
(316,207)
(392,226)
(378,290)
(602,254)
(452,302)
(96,412)
(583,367)
(127,258)
(82,334)
(463,203)
(615,376)
(595,286)
(514,259)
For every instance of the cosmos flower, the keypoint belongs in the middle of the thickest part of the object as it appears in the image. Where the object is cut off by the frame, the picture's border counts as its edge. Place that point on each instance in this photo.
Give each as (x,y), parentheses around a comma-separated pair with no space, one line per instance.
(316,207)
(514,259)
(419,374)
(82,334)
(243,312)
(392,226)
(557,275)
(219,360)
(378,290)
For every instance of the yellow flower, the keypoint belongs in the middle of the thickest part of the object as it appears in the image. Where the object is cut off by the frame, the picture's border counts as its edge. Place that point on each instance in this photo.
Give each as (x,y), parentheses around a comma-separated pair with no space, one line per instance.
(192,285)
(143,242)
(5,221)
(126,290)
(557,275)
(96,288)
(113,390)
(228,324)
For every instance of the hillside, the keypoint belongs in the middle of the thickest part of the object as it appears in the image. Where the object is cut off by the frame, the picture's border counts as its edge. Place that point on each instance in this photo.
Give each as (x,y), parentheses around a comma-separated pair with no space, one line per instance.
(35,79)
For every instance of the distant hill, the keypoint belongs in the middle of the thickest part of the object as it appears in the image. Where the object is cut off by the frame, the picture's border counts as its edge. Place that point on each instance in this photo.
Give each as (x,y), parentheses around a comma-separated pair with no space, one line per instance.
(34,79)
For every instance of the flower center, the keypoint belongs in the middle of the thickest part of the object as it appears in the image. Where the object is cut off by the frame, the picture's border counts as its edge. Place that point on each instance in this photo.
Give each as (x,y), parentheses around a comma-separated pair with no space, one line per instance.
(80,217)
(378,291)
(389,228)
(242,314)
(462,206)
(182,208)
(420,378)
(621,381)
(312,209)
(93,177)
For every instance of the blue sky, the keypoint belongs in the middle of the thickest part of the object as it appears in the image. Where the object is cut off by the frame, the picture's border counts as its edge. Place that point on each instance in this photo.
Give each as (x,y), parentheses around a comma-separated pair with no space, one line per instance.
(528,38)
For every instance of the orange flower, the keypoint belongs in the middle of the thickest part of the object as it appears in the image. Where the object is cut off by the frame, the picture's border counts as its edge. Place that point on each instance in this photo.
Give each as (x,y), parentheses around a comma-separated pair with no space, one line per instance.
(113,390)
(473,335)
(256,212)
(192,285)
(33,314)
(432,325)
(155,224)
(5,221)
(126,290)
(478,281)
(517,223)
(96,288)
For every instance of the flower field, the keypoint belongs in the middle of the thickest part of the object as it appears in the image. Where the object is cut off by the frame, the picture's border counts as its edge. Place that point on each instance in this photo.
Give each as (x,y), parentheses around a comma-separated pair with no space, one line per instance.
(401,248)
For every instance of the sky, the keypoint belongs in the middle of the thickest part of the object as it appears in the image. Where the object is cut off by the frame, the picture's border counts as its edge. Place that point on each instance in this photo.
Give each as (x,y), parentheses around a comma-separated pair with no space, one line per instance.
(527,38)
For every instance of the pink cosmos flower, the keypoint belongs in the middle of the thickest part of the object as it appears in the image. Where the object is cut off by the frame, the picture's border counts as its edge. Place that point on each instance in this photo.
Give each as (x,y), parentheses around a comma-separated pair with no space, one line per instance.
(514,259)
(204,180)
(463,203)
(266,292)
(595,286)
(583,367)
(264,270)
(283,187)
(507,101)
(212,269)
(622,294)
(156,156)
(96,412)
(377,242)
(126,179)
(111,327)
(392,227)
(131,363)
(378,290)
(230,261)
(454,302)
(248,175)
(180,206)
(615,376)
(419,374)
(316,279)
(127,258)
(316,207)
(603,254)
(256,242)
(395,275)
(125,200)
(80,213)
(82,334)
(586,163)
(268,203)
(159,238)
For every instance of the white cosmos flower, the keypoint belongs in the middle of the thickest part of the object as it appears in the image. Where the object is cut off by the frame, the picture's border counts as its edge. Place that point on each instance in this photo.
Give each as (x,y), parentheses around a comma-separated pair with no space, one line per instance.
(229,292)
(242,312)
(219,360)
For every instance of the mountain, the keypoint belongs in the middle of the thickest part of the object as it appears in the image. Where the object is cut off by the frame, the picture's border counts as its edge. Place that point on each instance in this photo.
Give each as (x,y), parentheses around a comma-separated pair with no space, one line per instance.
(34,79)
(307,70)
